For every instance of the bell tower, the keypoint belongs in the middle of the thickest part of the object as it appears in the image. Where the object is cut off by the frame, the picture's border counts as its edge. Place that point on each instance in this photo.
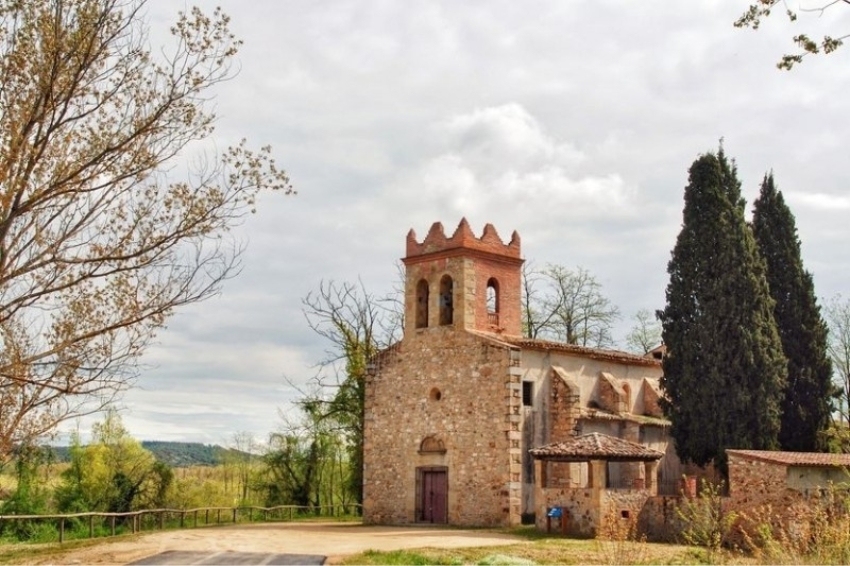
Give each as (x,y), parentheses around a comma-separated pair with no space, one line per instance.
(462,281)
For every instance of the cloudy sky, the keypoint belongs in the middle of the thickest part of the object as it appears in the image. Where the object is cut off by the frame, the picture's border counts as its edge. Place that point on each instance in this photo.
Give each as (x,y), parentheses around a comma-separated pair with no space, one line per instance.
(572,122)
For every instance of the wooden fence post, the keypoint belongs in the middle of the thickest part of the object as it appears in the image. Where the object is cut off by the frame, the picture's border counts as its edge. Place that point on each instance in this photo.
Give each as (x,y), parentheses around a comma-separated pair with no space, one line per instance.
(91,526)
(112,524)
(62,529)
(162,520)
(182,518)
(234,514)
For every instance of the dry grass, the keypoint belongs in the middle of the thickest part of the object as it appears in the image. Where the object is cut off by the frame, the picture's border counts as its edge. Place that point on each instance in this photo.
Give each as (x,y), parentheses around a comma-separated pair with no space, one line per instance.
(543,550)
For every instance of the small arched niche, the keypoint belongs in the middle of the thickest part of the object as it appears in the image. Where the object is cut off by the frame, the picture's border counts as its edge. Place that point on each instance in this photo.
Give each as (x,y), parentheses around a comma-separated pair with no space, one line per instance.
(422,292)
(435,394)
(432,445)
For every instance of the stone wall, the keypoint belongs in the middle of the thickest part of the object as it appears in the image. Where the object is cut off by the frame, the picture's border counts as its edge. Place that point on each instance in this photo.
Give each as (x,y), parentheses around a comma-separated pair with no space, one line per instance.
(754,483)
(758,491)
(472,405)
(589,511)
(659,520)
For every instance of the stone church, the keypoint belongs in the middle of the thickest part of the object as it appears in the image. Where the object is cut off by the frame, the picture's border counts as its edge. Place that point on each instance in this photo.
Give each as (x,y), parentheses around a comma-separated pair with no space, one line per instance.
(453,410)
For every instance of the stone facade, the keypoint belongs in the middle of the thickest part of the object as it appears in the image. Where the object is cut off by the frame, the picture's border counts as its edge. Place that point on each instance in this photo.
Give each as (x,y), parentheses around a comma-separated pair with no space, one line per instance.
(452,409)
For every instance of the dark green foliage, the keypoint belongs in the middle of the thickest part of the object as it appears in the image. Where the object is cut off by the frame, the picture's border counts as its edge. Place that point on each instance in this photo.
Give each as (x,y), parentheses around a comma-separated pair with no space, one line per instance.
(806,403)
(724,373)
(292,464)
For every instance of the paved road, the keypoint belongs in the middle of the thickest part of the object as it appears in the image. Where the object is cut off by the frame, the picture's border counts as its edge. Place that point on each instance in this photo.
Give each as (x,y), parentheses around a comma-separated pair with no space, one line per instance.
(178,557)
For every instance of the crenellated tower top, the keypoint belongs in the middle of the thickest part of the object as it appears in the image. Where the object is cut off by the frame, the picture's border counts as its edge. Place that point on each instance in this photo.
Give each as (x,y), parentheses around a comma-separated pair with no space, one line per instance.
(462,281)
(463,238)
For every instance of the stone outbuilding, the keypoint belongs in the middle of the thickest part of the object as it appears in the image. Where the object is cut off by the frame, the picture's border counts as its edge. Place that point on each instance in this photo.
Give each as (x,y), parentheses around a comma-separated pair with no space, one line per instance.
(786,489)
(759,477)
(452,410)
(584,508)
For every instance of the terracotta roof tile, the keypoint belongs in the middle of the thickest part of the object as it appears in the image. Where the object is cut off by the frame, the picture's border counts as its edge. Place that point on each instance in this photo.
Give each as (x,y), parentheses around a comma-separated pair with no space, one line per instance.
(794,458)
(595,446)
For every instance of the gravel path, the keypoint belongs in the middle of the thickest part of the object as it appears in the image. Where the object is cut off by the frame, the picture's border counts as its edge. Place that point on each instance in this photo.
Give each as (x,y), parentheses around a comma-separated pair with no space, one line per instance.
(333,540)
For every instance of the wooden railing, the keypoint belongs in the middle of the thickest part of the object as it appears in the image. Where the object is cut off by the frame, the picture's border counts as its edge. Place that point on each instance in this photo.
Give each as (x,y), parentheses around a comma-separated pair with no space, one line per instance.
(161,517)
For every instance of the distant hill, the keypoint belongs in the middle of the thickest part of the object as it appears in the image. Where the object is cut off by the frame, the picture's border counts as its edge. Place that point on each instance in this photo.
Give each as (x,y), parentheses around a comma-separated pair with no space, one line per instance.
(175,454)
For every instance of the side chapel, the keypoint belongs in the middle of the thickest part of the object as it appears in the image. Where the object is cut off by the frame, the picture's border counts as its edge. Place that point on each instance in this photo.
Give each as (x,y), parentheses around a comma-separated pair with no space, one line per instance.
(469,423)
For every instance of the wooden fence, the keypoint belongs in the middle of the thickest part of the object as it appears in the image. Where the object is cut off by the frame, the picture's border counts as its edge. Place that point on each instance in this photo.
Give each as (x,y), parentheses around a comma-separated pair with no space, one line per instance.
(159,518)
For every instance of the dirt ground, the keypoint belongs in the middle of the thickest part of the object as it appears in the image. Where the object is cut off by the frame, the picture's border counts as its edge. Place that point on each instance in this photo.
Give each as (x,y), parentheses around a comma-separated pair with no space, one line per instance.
(334,540)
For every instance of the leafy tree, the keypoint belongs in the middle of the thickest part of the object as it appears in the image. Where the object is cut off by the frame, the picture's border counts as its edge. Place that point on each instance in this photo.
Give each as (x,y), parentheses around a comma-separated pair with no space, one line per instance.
(31,495)
(645,334)
(760,9)
(357,325)
(806,402)
(99,242)
(838,317)
(724,371)
(567,306)
(306,462)
(113,473)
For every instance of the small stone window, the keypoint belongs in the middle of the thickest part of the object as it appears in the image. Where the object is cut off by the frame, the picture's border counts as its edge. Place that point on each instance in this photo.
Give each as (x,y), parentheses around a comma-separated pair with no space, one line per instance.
(527,393)
(446,300)
(435,394)
(422,304)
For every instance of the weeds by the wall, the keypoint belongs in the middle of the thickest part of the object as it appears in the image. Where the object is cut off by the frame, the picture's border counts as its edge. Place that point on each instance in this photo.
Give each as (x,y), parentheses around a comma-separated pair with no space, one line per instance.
(618,541)
(707,523)
(812,531)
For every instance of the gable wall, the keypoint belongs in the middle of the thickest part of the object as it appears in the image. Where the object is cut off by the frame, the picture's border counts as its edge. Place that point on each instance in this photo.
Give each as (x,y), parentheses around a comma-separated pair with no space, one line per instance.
(477,418)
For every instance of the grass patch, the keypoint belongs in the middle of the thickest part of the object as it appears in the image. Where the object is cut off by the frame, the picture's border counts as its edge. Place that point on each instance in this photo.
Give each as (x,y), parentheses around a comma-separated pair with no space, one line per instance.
(536,550)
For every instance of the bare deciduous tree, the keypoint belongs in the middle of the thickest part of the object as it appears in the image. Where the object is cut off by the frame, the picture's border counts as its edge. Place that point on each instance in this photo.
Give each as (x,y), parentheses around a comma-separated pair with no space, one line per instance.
(761,9)
(567,306)
(645,334)
(838,318)
(98,243)
(357,325)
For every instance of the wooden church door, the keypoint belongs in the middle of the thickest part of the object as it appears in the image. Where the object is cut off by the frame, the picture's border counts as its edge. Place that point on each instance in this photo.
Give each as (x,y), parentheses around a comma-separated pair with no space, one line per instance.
(435,490)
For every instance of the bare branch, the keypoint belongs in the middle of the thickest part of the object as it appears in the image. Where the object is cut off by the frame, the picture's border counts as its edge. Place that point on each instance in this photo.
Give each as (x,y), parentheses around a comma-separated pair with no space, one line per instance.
(98,245)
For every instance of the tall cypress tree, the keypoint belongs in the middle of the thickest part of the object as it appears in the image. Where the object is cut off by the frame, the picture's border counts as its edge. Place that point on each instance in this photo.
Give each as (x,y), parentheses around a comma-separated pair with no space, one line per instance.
(805,406)
(724,372)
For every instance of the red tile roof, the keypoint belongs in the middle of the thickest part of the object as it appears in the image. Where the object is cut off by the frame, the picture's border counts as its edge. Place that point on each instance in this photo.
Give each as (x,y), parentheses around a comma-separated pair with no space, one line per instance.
(595,446)
(794,458)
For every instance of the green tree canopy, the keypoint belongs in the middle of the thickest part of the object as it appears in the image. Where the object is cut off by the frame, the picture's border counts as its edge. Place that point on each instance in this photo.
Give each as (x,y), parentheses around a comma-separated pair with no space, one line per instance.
(806,403)
(724,372)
